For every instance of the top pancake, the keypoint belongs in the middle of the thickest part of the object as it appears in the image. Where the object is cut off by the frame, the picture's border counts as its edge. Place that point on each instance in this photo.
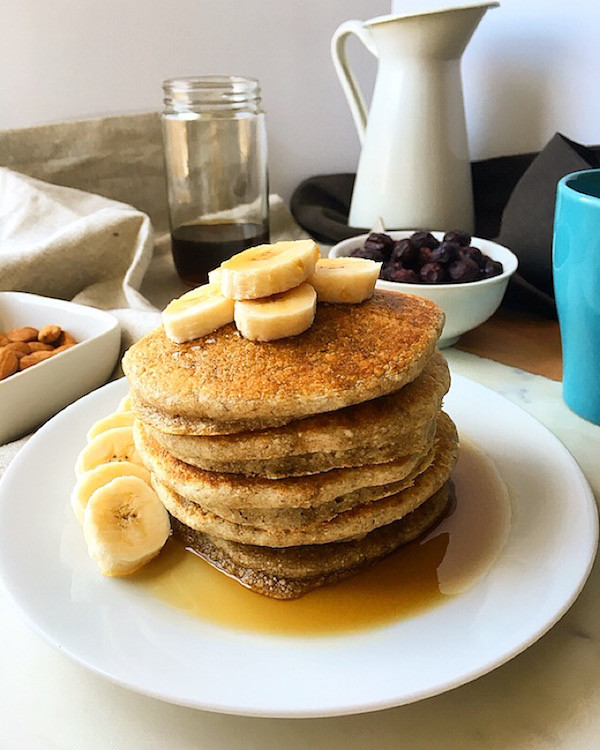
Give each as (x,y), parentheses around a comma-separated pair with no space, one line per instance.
(351,353)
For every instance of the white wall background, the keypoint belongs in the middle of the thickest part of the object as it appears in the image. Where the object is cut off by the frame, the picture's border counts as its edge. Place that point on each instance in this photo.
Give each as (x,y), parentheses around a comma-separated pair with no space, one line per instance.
(531,69)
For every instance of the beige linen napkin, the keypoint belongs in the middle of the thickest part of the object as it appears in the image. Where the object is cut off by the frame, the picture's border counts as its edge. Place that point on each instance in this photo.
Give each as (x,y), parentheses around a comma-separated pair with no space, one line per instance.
(66,243)
(61,242)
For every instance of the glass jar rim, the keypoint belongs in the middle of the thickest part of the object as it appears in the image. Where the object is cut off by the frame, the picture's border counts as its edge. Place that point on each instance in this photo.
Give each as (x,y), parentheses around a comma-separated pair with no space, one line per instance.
(218,94)
(188,84)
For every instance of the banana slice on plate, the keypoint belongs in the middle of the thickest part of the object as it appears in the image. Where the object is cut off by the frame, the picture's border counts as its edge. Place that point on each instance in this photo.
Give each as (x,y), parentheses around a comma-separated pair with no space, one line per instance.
(276,317)
(125,403)
(115,444)
(93,479)
(118,419)
(350,280)
(125,525)
(196,313)
(265,270)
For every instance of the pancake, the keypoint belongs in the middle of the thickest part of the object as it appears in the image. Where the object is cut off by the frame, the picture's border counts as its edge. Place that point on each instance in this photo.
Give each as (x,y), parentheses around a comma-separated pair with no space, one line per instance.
(293,518)
(291,572)
(212,489)
(414,441)
(375,431)
(350,524)
(351,354)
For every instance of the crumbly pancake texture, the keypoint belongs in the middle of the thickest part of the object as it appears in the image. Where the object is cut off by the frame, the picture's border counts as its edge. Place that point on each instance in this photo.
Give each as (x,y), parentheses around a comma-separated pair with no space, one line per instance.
(375,431)
(211,490)
(351,354)
(351,524)
(291,572)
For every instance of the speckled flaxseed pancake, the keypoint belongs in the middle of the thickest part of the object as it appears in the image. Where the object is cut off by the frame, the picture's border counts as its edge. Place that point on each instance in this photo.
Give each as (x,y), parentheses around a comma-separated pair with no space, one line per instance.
(293,518)
(375,431)
(211,489)
(350,524)
(351,354)
(291,572)
(411,442)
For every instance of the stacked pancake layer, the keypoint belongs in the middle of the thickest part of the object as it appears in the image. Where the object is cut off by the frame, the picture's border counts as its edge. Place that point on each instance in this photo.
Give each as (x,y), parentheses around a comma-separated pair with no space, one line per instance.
(294,463)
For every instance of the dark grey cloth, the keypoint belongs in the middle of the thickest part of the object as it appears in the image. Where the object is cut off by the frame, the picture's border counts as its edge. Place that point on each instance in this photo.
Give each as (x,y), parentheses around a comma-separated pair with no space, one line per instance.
(528,218)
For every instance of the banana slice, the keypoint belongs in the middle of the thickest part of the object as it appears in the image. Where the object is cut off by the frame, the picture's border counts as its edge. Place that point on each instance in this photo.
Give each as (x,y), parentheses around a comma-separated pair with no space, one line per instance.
(276,317)
(125,525)
(115,444)
(350,280)
(118,419)
(265,270)
(91,480)
(214,276)
(196,313)
(125,403)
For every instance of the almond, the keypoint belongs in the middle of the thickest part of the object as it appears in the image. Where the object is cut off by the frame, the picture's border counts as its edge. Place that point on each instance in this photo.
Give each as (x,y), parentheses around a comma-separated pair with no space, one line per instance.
(65,338)
(9,363)
(38,346)
(19,348)
(49,334)
(33,359)
(23,334)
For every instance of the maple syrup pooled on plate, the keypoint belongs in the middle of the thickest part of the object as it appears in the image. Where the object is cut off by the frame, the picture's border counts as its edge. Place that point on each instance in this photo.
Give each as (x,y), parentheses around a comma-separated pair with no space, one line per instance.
(448,560)
(198,248)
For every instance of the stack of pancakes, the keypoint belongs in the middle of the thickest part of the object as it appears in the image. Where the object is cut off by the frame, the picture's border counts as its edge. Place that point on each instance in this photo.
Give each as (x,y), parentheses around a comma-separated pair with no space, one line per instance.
(293,463)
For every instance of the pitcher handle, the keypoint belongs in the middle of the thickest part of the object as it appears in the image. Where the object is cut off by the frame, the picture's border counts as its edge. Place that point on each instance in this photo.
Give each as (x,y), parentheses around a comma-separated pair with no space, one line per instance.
(349,84)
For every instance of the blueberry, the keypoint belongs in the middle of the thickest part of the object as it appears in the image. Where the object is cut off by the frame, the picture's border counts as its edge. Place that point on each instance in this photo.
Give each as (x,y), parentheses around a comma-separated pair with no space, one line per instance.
(457,235)
(381,242)
(388,270)
(445,253)
(425,254)
(463,269)
(432,273)
(491,268)
(404,276)
(404,254)
(423,239)
(472,253)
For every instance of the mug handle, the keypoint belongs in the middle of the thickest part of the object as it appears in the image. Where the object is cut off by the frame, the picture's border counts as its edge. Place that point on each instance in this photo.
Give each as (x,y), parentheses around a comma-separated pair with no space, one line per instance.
(349,84)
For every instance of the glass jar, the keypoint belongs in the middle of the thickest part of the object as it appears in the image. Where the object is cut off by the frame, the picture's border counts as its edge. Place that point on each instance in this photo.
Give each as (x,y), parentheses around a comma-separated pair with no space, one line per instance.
(215,146)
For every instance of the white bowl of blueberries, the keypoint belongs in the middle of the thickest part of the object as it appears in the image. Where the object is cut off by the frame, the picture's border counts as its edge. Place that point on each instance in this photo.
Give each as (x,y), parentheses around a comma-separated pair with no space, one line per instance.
(466,276)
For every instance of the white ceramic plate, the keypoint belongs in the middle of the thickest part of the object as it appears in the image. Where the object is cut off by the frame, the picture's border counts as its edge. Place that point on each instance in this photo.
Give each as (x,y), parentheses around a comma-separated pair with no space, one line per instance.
(121,632)
(30,397)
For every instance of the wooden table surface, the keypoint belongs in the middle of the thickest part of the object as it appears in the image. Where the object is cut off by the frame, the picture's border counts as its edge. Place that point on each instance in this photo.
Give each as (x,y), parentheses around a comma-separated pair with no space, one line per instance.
(524,340)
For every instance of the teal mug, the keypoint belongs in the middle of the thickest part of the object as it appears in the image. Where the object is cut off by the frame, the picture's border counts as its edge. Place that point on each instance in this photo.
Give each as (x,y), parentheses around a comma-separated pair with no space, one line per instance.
(576,270)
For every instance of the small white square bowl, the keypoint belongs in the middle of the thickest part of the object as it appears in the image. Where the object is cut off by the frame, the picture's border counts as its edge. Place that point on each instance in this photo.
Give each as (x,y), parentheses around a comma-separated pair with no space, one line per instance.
(30,397)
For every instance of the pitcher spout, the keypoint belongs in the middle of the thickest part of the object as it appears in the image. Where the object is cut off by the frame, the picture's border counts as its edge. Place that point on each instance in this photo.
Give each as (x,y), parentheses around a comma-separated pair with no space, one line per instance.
(438,30)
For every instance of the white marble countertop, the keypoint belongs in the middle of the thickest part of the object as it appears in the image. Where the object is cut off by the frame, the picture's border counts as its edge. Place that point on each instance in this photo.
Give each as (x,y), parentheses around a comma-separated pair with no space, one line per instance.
(547,697)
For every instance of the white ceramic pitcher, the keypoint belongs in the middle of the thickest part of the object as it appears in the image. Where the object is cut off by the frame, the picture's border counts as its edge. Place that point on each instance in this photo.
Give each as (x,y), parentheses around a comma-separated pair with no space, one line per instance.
(414,169)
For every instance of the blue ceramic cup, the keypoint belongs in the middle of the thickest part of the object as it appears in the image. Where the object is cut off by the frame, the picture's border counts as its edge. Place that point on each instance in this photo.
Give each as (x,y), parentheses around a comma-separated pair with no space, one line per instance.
(576,269)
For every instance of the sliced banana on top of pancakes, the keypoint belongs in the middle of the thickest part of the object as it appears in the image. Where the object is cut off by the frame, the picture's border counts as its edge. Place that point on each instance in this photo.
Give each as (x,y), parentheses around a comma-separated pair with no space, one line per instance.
(265,270)
(270,291)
